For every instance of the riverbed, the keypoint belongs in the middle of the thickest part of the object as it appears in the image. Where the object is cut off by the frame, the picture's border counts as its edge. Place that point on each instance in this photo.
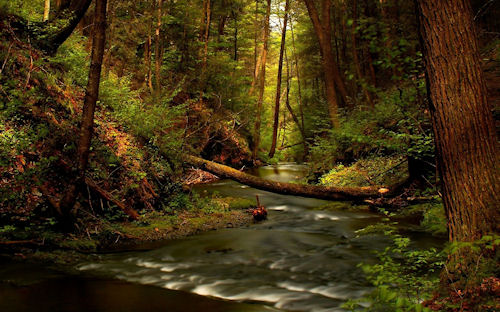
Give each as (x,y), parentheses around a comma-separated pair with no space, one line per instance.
(303,258)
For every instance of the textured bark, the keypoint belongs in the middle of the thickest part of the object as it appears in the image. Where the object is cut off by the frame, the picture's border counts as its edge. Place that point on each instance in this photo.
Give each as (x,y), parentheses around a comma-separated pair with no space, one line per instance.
(262,83)
(313,191)
(463,125)
(87,125)
(278,83)
(331,72)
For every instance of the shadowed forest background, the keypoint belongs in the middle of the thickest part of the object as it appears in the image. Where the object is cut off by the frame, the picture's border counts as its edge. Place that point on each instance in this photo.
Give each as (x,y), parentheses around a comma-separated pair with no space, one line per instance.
(112,110)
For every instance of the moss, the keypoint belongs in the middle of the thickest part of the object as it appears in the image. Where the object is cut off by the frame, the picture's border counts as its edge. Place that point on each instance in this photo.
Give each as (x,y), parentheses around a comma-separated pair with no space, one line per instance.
(344,206)
(368,172)
(237,203)
(79,244)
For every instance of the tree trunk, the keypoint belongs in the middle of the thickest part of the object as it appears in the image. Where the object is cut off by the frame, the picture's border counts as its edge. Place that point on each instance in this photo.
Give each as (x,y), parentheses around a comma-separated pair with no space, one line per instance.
(158,50)
(235,16)
(323,30)
(257,56)
(87,125)
(147,61)
(313,191)
(208,16)
(464,130)
(278,83)
(262,83)
(290,110)
(256,34)
(355,57)
(297,73)
(46,11)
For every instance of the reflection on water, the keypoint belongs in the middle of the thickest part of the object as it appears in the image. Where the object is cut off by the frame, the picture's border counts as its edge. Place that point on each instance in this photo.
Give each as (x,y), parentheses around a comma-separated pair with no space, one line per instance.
(301,259)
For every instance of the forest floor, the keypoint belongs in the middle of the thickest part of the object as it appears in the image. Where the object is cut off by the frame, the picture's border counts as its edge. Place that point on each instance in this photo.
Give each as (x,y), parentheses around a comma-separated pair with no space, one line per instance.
(40,244)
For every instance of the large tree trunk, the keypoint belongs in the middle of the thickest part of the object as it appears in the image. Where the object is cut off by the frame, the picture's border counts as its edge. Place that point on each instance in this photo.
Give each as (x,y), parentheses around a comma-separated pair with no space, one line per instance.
(463,125)
(278,83)
(262,83)
(313,191)
(87,125)
(323,30)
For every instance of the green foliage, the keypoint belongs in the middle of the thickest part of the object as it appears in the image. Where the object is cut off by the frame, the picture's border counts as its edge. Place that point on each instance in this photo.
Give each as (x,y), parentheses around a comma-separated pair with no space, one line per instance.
(156,122)
(31,10)
(72,61)
(395,126)
(403,278)
(434,219)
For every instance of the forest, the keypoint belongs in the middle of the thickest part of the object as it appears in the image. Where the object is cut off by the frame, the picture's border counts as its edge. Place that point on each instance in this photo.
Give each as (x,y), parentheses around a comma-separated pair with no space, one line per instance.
(249,155)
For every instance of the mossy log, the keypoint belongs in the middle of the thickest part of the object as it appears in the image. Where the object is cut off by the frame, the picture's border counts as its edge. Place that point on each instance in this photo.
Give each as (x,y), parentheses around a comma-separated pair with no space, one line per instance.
(313,191)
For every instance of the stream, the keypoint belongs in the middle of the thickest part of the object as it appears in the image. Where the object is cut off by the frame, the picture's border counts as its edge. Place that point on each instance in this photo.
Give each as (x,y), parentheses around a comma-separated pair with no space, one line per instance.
(300,259)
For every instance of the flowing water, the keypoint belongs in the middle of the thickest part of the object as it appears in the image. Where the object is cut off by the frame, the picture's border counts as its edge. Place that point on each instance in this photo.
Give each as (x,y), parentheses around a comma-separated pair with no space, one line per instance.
(301,259)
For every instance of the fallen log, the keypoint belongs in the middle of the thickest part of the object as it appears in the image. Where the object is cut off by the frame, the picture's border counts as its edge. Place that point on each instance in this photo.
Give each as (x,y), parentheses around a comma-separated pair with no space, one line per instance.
(313,191)
(21,242)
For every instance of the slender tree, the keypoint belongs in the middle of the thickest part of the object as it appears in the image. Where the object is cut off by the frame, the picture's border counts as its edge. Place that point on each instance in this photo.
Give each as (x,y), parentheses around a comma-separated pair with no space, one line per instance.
(278,83)
(463,125)
(46,11)
(87,124)
(158,49)
(297,73)
(262,82)
(207,17)
(333,78)
(355,56)
(299,125)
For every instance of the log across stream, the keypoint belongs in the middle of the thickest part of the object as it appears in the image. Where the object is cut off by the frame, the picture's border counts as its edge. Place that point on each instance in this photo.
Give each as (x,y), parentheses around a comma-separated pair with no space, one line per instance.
(285,188)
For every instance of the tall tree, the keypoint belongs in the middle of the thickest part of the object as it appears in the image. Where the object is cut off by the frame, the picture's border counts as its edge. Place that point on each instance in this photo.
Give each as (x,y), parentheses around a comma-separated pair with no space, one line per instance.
(158,49)
(297,73)
(333,78)
(278,83)
(46,11)
(207,13)
(355,56)
(262,82)
(463,125)
(299,125)
(87,124)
